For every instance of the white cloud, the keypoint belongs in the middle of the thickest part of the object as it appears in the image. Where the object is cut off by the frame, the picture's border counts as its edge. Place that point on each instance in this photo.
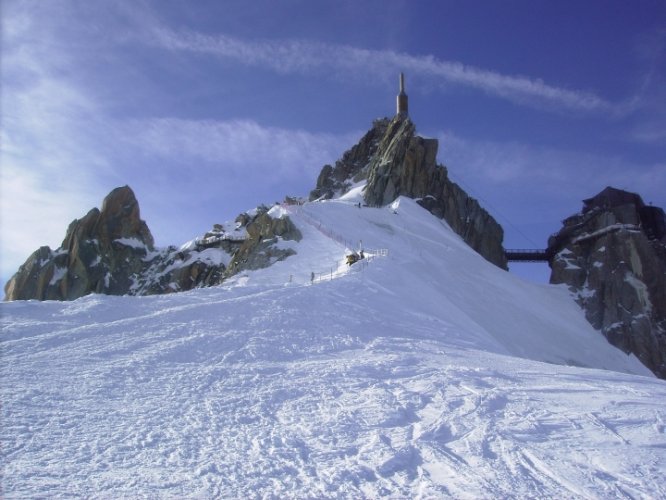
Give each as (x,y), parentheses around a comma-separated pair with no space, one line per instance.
(653,128)
(49,166)
(293,56)
(237,147)
(34,212)
(528,182)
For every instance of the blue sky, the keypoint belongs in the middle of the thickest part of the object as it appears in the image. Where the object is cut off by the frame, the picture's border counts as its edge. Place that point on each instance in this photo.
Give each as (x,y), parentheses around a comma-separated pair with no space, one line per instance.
(208,108)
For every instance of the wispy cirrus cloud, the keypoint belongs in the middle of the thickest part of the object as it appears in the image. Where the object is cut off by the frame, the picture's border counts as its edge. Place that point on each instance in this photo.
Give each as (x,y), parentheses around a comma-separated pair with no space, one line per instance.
(237,147)
(198,170)
(555,170)
(303,57)
(535,187)
(47,156)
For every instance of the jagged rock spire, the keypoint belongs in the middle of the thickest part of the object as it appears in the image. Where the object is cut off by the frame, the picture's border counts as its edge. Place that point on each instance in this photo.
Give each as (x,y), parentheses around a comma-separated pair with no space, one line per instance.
(395,161)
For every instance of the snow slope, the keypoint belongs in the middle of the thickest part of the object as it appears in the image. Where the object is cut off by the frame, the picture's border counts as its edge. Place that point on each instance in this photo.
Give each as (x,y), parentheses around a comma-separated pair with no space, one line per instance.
(421,372)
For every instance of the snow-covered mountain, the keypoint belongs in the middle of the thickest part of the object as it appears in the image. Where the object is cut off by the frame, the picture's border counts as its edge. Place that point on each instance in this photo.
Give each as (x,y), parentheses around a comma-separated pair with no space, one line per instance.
(421,370)
(111,251)
(612,255)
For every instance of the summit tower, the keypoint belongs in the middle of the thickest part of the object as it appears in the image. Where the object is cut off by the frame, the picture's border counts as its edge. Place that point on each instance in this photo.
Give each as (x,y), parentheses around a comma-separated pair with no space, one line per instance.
(402,108)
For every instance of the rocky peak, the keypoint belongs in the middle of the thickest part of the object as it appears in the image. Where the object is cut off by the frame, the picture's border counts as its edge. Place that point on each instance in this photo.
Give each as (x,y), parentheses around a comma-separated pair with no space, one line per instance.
(353,165)
(100,253)
(612,256)
(111,251)
(405,165)
(120,218)
(395,161)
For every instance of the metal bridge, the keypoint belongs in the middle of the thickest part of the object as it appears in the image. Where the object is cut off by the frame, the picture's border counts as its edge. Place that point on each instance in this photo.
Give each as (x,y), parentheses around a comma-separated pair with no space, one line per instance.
(527,255)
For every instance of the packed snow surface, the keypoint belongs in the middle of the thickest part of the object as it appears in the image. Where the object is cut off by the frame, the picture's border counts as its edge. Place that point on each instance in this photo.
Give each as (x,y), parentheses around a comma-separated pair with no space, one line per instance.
(421,371)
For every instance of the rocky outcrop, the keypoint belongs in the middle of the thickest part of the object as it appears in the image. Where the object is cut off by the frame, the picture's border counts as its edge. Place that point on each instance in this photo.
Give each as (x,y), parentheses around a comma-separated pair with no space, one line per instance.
(397,162)
(100,253)
(612,255)
(404,165)
(111,251)
(352,167)
(261,248)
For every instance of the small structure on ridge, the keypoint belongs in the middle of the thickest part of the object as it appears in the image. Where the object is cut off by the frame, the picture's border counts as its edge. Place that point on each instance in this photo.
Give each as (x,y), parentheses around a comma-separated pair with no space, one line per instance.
(401,101)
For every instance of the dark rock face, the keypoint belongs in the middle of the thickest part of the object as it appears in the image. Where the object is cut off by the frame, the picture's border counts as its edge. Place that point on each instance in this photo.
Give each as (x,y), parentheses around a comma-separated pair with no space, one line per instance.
(259,250)
(112,252)
(352,167)
(405,165)
(397,162)
(613,257)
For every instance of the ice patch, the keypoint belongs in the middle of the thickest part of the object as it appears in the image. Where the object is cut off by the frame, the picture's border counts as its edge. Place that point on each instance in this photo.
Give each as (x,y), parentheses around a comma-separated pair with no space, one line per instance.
(278,212)
(641,291)
(212,256)
(131,242)
(355,193)
(58,274)
(605,230)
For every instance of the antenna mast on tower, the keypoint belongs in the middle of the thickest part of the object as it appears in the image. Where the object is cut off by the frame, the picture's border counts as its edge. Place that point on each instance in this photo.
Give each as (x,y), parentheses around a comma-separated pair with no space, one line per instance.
(402,108)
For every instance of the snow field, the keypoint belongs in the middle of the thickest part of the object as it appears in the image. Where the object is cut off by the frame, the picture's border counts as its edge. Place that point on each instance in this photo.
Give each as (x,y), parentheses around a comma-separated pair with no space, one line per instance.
(430,373)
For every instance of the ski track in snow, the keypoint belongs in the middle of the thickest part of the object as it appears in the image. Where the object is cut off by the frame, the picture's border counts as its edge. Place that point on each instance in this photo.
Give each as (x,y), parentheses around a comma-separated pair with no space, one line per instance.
(364,386)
